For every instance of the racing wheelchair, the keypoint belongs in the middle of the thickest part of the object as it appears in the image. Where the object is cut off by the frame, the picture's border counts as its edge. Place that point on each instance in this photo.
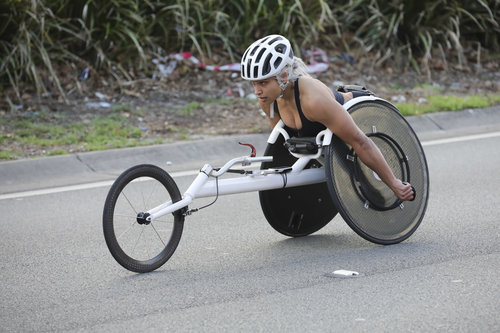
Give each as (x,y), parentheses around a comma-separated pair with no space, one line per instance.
(302,182)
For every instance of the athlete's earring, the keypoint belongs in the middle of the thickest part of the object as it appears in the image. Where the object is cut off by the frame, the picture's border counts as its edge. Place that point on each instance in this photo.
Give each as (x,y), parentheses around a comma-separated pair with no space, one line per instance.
(282,85)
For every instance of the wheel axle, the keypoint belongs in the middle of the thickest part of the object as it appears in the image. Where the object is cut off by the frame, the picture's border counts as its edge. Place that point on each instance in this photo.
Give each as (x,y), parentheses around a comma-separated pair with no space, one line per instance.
(142,218)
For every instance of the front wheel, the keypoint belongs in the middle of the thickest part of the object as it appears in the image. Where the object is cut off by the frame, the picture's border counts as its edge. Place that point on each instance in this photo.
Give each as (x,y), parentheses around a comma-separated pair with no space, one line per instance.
(137,244)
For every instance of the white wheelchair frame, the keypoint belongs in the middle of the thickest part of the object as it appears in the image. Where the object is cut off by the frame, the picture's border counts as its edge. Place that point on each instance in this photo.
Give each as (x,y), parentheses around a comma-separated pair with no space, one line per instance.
(259,180)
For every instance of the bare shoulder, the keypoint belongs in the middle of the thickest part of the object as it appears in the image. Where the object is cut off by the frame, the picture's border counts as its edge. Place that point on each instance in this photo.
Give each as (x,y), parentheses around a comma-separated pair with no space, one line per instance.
(309,84)
(319,104)
(315,98)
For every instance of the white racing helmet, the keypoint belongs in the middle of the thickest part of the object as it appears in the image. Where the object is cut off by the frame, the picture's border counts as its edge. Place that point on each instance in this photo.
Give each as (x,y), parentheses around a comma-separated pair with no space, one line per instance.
(266,58)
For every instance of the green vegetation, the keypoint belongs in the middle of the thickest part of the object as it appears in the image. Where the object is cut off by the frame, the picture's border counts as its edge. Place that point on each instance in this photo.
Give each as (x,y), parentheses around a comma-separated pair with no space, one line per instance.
(436,103)
(219,101)
(41,41)
(102,132)
(189,109)
(8,154)
(40,129)
(121,108)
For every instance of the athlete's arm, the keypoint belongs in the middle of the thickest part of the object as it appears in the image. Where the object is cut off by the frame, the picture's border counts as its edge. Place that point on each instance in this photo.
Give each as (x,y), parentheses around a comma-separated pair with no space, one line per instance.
(318,105)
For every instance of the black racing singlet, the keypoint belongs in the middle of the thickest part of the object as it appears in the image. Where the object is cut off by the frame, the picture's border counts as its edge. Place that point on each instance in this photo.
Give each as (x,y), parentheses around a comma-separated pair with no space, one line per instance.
(309,128)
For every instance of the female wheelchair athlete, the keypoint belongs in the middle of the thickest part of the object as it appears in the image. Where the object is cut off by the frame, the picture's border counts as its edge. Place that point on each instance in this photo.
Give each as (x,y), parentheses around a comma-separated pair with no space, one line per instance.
(303,183)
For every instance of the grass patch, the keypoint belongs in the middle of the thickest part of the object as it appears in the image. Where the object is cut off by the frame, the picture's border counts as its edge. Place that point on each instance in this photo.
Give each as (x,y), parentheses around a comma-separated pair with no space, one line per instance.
(110,132)
(7,154)
(189,109)
(181,133)
(56,152)
(219,101)
(139,112)
(448,103)
(494,99)
(100,133)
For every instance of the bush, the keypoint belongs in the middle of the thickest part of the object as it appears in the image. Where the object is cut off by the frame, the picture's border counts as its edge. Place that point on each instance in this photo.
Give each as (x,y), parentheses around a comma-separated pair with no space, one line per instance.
(120,37)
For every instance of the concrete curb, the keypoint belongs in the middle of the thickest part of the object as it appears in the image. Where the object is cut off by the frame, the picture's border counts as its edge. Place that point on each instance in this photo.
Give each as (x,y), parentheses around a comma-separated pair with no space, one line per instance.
(24,175)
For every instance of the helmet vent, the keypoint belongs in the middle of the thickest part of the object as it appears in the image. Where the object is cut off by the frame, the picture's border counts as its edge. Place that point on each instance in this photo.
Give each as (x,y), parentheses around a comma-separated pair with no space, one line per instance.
(264,39)
(277,62)
(254,49)
(267,65)
(280,48)
(248,68)
(274,40)
(244,58)
(260,55)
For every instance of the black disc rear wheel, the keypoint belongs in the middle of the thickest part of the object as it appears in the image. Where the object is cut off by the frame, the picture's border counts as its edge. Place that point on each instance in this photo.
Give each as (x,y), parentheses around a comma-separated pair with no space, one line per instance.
(295,211)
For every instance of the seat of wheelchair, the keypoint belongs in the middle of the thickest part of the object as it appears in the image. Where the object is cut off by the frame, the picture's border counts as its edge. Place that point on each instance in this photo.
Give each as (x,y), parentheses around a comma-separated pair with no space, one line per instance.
(304,145)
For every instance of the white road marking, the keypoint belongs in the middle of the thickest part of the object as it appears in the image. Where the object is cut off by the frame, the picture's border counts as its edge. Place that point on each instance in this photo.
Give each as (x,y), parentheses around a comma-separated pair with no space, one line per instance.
(60,189)
(461,138)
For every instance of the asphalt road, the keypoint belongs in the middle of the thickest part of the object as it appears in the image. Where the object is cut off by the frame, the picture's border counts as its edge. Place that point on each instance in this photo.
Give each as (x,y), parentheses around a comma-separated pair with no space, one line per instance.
(233,272)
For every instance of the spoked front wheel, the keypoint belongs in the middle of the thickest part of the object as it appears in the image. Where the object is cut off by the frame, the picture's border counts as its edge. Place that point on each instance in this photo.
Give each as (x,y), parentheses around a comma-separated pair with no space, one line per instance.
(137,244)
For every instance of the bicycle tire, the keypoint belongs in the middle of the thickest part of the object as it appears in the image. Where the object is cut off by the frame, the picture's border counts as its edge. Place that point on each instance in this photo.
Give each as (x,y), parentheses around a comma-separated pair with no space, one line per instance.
(366,204)
(135,244)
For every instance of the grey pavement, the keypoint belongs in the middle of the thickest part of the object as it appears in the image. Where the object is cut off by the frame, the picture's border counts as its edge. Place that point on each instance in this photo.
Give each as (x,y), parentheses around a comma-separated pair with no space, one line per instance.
(41,173)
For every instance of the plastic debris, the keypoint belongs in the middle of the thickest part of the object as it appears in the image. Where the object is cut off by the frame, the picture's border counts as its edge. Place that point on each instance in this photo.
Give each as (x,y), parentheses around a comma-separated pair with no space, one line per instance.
(317,58)
(141,126)
(97,105)
(173,58)
(317,67)
(101,104)
(101,96)
(231,92)
(349,58)
(398,99)
(342,273)
(166,70)
(84,75)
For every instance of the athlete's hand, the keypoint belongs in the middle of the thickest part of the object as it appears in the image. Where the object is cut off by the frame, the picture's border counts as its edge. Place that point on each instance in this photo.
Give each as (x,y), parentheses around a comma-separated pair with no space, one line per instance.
(404,191)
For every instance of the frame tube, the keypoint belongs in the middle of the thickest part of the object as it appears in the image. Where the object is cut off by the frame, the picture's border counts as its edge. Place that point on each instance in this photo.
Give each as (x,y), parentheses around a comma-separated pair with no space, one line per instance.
(202,188)
(262,182)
